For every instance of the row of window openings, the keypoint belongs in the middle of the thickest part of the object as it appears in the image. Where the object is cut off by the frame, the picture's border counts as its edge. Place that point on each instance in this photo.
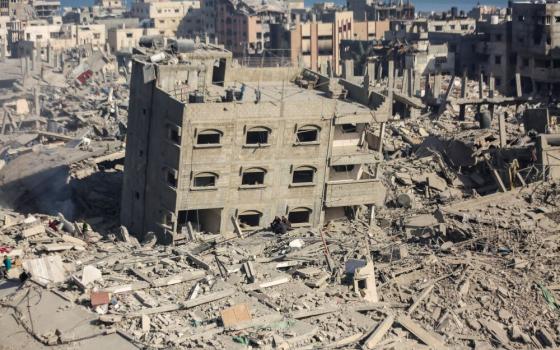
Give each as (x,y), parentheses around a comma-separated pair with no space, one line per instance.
(251,218)
(249,178)
(255,177)
(258,136)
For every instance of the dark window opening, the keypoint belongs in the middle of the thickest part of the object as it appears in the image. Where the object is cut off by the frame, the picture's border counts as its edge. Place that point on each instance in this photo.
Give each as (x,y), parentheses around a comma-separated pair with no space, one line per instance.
(210,138)
(348,128)
(343,168)
(171,179)
(303,176)
(250,219)
(207,180)
(299,216)
(309,135)
(174,136)
(252,178)
(498,60)
(256,137)
(219,73)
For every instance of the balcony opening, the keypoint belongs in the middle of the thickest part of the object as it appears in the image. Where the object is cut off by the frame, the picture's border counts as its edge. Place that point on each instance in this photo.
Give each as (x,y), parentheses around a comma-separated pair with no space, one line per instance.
(303,175)
(250,218)
(349,128)
(253,177)
(201,220)
(208,137)
(257,136)
(171,177)
(299,216)
(343,168)
(205,180)
(219,72)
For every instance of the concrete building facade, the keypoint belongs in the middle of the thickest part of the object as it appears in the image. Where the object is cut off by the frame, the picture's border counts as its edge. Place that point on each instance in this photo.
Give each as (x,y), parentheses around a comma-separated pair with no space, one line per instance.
(534,44)
(373,10)
(316,43)
(165,16)
(235,155)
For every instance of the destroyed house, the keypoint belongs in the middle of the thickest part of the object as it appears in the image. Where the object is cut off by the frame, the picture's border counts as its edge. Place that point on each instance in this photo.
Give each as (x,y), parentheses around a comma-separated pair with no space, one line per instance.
(216,148)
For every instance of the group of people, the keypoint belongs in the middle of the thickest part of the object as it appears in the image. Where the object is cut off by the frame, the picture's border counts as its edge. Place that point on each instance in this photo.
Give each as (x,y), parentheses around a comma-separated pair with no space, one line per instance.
(280,225)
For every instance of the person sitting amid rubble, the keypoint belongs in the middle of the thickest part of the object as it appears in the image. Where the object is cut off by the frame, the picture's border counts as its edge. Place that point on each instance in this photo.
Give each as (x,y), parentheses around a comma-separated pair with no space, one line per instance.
(278,227)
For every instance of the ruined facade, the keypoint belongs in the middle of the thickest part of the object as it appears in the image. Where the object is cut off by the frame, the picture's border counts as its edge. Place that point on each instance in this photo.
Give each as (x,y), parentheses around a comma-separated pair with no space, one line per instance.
(208,152)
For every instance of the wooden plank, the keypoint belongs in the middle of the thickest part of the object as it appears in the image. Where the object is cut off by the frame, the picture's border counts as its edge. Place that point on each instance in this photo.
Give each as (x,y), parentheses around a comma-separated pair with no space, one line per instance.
(317,312)
(379,332)
(419,332)
(180,278)
(183,306)
(271,283)
(420,298)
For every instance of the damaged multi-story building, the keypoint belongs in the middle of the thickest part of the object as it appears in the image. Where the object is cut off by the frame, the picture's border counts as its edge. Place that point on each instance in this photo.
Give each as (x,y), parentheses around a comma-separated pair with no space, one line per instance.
(214,147)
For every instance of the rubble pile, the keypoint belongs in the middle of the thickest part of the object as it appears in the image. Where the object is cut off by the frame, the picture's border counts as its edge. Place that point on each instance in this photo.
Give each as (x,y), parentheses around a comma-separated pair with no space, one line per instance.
(471,273)
(56,116)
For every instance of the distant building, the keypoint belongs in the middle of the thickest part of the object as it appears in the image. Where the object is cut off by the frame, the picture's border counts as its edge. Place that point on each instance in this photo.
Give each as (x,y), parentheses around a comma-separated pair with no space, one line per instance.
(165,16)
(46,8)
(535,45)
(374,10)
(316,43)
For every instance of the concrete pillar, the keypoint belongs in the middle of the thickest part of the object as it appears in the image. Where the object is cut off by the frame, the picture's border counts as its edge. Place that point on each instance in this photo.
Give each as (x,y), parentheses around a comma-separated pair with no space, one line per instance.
(324,68)
(27,66)
(463,94)
(381,135)
(503,131)
(2,51)
(108,48)
(518,88)
(410,83)
(36,95)
(491,86)
(480,85)
(416,82)
(371,72)
(390,75)
(348,69)
(34,59)
(437,85)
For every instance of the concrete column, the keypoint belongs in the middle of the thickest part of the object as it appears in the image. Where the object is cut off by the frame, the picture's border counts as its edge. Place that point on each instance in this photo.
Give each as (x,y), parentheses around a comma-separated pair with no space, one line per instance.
(324,68)
(503,131)
(410,83)
(33,60)
(2,51)
(491,86)
(416,82)
(36,95)
(480,85)
(27,66)
(348,69)
(437,85)
(518,88)
(463,94)
(108,48)
(381,135)
(390,76)
(371,72)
